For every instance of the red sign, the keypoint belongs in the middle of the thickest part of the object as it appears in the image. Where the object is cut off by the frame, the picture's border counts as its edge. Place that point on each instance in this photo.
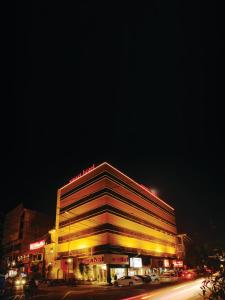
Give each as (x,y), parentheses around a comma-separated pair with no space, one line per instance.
(119,259)
(93,260)
(37,245)
(83,172)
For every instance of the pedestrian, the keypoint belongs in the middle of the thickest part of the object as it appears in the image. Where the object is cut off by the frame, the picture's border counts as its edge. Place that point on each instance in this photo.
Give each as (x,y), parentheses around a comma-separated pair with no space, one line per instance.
(115,277)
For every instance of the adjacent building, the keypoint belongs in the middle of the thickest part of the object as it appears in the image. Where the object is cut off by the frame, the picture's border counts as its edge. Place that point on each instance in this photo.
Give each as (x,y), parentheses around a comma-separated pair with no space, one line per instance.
(25,232)
(107,224)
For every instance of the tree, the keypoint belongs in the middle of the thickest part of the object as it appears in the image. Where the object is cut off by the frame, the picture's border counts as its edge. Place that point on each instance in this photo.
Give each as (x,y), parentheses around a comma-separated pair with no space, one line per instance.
(214,288)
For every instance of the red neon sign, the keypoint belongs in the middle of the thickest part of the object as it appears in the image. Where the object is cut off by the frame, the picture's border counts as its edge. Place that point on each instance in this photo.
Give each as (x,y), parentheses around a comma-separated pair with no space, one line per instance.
(83,172)
(37,245)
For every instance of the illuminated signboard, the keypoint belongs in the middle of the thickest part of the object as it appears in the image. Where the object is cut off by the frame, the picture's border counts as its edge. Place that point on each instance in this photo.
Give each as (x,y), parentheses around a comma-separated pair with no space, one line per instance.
(37,245)
(83,172)
(119,259)
(136,262)
(178,263)
(166,263)
(97,259)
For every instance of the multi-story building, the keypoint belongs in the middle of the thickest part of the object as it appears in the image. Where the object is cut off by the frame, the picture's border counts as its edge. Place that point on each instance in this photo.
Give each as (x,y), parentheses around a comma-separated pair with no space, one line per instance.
(1,232)
(24,232)
(107,224)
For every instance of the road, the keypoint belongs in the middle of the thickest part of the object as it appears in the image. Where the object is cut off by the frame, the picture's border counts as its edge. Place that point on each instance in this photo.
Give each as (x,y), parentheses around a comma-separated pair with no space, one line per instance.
(184,291)
(181,291)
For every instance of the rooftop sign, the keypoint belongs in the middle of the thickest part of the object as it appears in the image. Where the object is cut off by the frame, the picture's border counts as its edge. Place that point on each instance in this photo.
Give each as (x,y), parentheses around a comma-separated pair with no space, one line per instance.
(83,172)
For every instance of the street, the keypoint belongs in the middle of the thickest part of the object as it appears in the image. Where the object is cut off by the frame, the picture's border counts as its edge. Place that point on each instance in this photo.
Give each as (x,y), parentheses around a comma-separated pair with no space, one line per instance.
(180,291)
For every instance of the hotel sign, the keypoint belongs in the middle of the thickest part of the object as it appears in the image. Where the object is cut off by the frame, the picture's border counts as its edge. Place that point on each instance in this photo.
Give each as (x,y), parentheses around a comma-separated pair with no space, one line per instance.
(83,172)
(37,245)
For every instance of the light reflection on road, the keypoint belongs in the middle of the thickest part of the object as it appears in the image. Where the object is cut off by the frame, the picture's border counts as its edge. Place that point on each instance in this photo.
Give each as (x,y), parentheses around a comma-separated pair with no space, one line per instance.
(188,291)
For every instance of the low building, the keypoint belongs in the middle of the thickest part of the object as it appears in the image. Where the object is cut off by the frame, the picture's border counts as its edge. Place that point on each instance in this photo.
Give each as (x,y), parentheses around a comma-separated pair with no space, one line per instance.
(24,233)
(107,224)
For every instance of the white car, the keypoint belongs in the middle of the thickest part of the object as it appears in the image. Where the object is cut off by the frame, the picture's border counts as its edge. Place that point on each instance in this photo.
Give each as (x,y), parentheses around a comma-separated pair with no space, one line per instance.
(168,277)
(154,277)
(128,280)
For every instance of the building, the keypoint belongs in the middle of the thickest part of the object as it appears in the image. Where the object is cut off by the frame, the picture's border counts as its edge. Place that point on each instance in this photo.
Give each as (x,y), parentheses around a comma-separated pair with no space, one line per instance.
(1,233)
(182,241)
(24,235)
(107,224)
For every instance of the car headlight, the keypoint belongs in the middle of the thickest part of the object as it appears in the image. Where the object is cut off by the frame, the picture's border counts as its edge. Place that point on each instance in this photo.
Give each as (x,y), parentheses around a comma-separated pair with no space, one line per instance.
(23,281)
(17,282)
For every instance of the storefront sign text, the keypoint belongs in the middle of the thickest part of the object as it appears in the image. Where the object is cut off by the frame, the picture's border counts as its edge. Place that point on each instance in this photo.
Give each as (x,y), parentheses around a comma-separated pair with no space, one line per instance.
(119,259)
(99,259)
(37,245)
(83,172)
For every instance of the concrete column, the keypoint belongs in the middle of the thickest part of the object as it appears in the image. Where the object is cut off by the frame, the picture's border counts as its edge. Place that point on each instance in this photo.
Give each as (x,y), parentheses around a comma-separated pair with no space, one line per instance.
(108,275)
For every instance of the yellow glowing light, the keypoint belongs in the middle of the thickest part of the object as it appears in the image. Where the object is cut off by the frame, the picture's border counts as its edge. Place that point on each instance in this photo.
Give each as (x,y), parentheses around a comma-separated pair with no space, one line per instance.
(120,240)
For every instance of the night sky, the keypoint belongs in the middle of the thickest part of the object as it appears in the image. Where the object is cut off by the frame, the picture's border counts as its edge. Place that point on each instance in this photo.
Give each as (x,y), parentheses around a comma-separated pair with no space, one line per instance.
(139,86)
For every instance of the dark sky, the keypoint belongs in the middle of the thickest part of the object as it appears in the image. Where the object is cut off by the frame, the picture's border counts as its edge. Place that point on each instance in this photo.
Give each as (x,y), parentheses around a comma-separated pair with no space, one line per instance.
(139,86)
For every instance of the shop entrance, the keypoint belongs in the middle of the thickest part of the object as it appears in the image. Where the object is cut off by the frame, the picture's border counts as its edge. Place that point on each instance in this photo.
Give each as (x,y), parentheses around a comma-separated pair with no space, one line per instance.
(95,273)
(117,273)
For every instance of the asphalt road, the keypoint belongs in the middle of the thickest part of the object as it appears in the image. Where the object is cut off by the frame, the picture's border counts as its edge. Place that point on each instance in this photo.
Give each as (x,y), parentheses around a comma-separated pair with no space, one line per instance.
(180,291)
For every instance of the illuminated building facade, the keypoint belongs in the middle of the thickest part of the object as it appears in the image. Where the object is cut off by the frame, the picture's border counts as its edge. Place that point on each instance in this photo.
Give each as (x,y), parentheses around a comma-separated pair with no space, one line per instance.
(107,224)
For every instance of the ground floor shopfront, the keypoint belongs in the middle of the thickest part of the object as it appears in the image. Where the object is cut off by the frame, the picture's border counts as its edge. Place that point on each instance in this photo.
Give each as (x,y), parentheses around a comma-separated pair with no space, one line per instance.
(28,261)
(108,267)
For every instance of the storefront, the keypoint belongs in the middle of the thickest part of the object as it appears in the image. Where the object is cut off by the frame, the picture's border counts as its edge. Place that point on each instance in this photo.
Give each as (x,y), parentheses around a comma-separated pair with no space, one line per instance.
(99,267)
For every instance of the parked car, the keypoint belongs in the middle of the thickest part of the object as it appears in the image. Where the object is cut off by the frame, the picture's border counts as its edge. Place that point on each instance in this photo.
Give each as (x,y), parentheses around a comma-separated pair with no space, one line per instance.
(128,280)
(154,277)
(168,277)
(141,277)
(144,278)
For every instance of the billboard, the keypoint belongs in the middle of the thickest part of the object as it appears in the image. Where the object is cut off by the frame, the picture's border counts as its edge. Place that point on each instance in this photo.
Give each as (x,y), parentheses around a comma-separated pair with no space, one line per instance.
(135,262)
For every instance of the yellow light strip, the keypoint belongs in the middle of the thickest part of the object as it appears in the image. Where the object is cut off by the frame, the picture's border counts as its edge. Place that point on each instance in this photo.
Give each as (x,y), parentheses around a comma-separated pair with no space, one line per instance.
(117,220)
(115,239)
